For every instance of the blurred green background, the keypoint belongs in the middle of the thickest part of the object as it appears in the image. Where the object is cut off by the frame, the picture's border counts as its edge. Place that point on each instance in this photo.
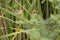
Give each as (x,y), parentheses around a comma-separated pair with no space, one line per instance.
(29,20)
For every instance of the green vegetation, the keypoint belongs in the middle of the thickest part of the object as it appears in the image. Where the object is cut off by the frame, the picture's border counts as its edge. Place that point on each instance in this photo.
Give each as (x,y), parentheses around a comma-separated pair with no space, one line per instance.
(29,20)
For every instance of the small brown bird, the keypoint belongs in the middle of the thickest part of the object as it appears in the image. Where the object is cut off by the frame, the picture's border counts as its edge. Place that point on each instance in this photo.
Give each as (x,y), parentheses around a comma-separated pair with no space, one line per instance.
(19,11)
